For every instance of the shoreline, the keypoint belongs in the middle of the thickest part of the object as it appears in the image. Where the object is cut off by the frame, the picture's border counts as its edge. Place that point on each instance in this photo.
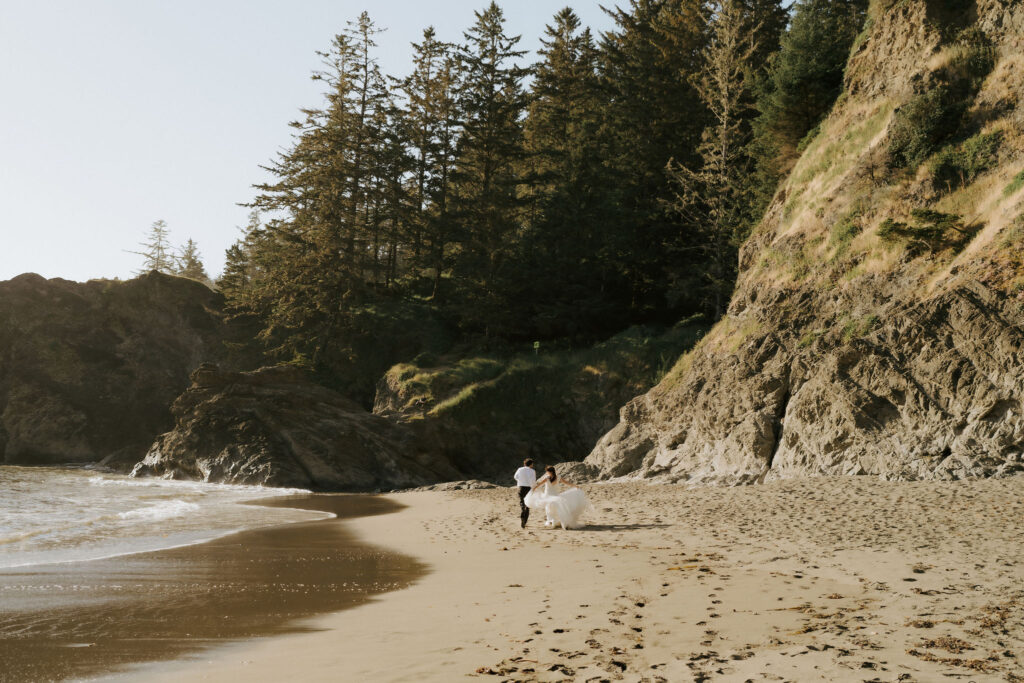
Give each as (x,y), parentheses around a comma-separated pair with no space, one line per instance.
(80,620)
(106,477)
(811,580)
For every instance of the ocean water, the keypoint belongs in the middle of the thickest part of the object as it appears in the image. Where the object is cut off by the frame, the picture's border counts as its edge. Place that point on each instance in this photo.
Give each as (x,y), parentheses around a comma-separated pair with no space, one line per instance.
(57,515)
(102,575)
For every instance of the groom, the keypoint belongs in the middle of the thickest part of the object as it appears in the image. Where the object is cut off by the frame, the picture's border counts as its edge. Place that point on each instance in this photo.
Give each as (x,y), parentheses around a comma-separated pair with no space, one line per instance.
(526,477)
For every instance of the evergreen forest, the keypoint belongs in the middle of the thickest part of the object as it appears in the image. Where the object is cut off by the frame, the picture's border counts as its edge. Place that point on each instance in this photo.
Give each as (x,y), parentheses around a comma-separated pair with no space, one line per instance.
(491,197)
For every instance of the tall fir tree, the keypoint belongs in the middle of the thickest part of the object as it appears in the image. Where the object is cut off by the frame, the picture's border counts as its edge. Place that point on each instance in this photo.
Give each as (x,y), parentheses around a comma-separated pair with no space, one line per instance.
(802,82)
(392,197)
(322,248)
(767,19)
(239,265)
(368,105)
(713,195)
(433,122)
(565,282)
(441,229)
(489,156)
(653,114)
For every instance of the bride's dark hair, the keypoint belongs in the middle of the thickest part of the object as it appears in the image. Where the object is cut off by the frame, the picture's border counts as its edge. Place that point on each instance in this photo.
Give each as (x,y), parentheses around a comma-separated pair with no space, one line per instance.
(551,470)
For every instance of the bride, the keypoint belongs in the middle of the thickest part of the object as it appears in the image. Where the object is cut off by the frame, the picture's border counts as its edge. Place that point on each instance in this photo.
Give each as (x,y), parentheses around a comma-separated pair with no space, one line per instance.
(562,505)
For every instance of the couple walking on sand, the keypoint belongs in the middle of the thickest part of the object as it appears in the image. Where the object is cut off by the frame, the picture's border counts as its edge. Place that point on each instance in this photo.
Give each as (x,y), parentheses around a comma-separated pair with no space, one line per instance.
(560,500)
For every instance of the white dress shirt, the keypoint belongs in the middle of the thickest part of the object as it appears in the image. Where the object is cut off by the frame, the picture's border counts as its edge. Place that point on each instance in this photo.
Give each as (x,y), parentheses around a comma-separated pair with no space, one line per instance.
(526,476)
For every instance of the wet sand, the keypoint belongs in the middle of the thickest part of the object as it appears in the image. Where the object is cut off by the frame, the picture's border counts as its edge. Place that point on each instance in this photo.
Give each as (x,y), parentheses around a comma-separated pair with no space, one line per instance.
(83,619)
(845,579)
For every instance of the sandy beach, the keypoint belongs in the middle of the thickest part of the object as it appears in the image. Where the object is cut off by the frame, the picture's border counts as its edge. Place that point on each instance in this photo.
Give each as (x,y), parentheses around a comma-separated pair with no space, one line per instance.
(849,579)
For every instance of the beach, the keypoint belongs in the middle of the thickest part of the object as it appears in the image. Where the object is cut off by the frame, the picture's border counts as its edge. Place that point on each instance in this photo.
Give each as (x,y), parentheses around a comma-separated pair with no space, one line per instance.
(831,579)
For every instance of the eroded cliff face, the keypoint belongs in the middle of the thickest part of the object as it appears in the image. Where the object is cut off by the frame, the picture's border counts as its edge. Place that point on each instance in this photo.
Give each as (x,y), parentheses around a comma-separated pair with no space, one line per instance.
(88,370)
(846,353)
(276,427)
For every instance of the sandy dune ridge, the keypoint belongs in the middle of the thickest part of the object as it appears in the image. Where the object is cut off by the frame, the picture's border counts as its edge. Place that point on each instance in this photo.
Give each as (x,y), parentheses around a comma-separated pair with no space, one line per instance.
(836,579)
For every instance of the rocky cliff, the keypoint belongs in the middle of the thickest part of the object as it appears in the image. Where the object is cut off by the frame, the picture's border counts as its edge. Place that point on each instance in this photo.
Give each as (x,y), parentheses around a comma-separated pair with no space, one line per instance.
(878,323)
(88,370)
(486,414)
(433,421)
(276,427)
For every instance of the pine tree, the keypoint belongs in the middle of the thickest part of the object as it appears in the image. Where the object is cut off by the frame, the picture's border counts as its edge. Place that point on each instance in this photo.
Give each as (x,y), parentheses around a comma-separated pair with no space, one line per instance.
(561,131)
(489,154)
(381,158)
(653,114)
(156,250)
(767,19)
(417,88)
(391,198)
(445,108)
(433,123)
(189,263)
(326,244)
(712,196)
(803,81)
(234,282)
(565,280)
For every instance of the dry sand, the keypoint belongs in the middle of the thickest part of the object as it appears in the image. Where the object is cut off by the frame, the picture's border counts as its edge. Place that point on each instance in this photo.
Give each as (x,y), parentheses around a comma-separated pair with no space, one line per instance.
(848,579)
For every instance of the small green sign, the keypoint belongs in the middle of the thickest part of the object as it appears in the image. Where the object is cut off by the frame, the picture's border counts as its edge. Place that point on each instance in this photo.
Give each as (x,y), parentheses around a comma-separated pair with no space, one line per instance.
(536,345)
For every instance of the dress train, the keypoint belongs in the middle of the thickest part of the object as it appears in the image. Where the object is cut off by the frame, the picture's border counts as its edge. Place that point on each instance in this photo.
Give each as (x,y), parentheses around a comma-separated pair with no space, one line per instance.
(564,508)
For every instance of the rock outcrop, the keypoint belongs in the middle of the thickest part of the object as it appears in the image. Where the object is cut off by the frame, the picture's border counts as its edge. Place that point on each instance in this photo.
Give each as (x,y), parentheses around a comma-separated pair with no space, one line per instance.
(932,391)
(485,415)
(88,370)
(845,353)
(276,427)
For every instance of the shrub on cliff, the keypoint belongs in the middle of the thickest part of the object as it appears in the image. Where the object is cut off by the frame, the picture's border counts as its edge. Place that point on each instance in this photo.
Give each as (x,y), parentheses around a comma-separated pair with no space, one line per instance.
(922,123)
(935,116)
(957,165)
(932,231)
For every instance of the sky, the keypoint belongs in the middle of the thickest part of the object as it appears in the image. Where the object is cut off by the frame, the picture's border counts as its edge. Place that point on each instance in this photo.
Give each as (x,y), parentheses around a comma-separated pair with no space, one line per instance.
(118,113)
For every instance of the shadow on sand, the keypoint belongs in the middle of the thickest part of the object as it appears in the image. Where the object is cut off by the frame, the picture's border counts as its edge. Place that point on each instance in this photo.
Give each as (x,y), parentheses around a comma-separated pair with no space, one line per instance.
(622,527)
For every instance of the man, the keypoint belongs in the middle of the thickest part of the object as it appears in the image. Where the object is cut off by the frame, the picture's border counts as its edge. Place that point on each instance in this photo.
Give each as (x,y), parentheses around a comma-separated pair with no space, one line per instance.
(526,477)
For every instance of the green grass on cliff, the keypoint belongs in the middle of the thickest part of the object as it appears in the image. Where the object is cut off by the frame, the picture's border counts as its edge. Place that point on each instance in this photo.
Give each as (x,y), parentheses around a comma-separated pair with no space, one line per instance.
(858,328)
(516,387)
(1015,185)
(830,157)
(960,164)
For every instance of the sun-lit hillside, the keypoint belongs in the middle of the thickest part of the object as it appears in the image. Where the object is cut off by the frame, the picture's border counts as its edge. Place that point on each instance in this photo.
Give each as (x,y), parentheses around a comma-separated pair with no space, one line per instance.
(876,326)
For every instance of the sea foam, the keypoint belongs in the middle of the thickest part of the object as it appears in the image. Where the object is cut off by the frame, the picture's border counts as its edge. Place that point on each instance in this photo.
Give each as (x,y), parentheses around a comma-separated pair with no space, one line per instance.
(56,515)
(164,510)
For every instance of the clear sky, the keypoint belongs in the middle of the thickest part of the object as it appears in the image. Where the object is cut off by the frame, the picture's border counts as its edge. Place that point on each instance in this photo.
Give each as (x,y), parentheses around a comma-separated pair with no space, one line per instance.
(117,113)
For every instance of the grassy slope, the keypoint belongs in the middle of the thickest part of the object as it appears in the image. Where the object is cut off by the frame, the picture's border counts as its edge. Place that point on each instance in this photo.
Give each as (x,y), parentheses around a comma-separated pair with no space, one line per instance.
(823,228)
(552,405)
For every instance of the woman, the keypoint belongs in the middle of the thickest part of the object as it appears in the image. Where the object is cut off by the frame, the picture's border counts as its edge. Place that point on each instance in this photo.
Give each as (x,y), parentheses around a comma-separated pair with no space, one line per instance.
(562,505)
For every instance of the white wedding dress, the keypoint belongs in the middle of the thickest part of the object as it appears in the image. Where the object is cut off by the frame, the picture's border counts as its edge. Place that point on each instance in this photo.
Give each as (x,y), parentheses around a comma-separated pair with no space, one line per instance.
(564,507)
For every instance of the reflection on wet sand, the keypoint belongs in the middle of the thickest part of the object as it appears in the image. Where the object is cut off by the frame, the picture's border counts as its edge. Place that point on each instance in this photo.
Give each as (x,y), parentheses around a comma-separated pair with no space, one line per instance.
(82,619)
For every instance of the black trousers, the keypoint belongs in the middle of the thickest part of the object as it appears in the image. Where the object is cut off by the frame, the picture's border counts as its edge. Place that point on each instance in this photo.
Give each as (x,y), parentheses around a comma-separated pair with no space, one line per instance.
(524,512)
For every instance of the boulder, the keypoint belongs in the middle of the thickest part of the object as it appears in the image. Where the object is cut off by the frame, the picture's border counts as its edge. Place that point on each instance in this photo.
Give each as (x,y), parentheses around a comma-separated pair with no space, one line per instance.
(276,427)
